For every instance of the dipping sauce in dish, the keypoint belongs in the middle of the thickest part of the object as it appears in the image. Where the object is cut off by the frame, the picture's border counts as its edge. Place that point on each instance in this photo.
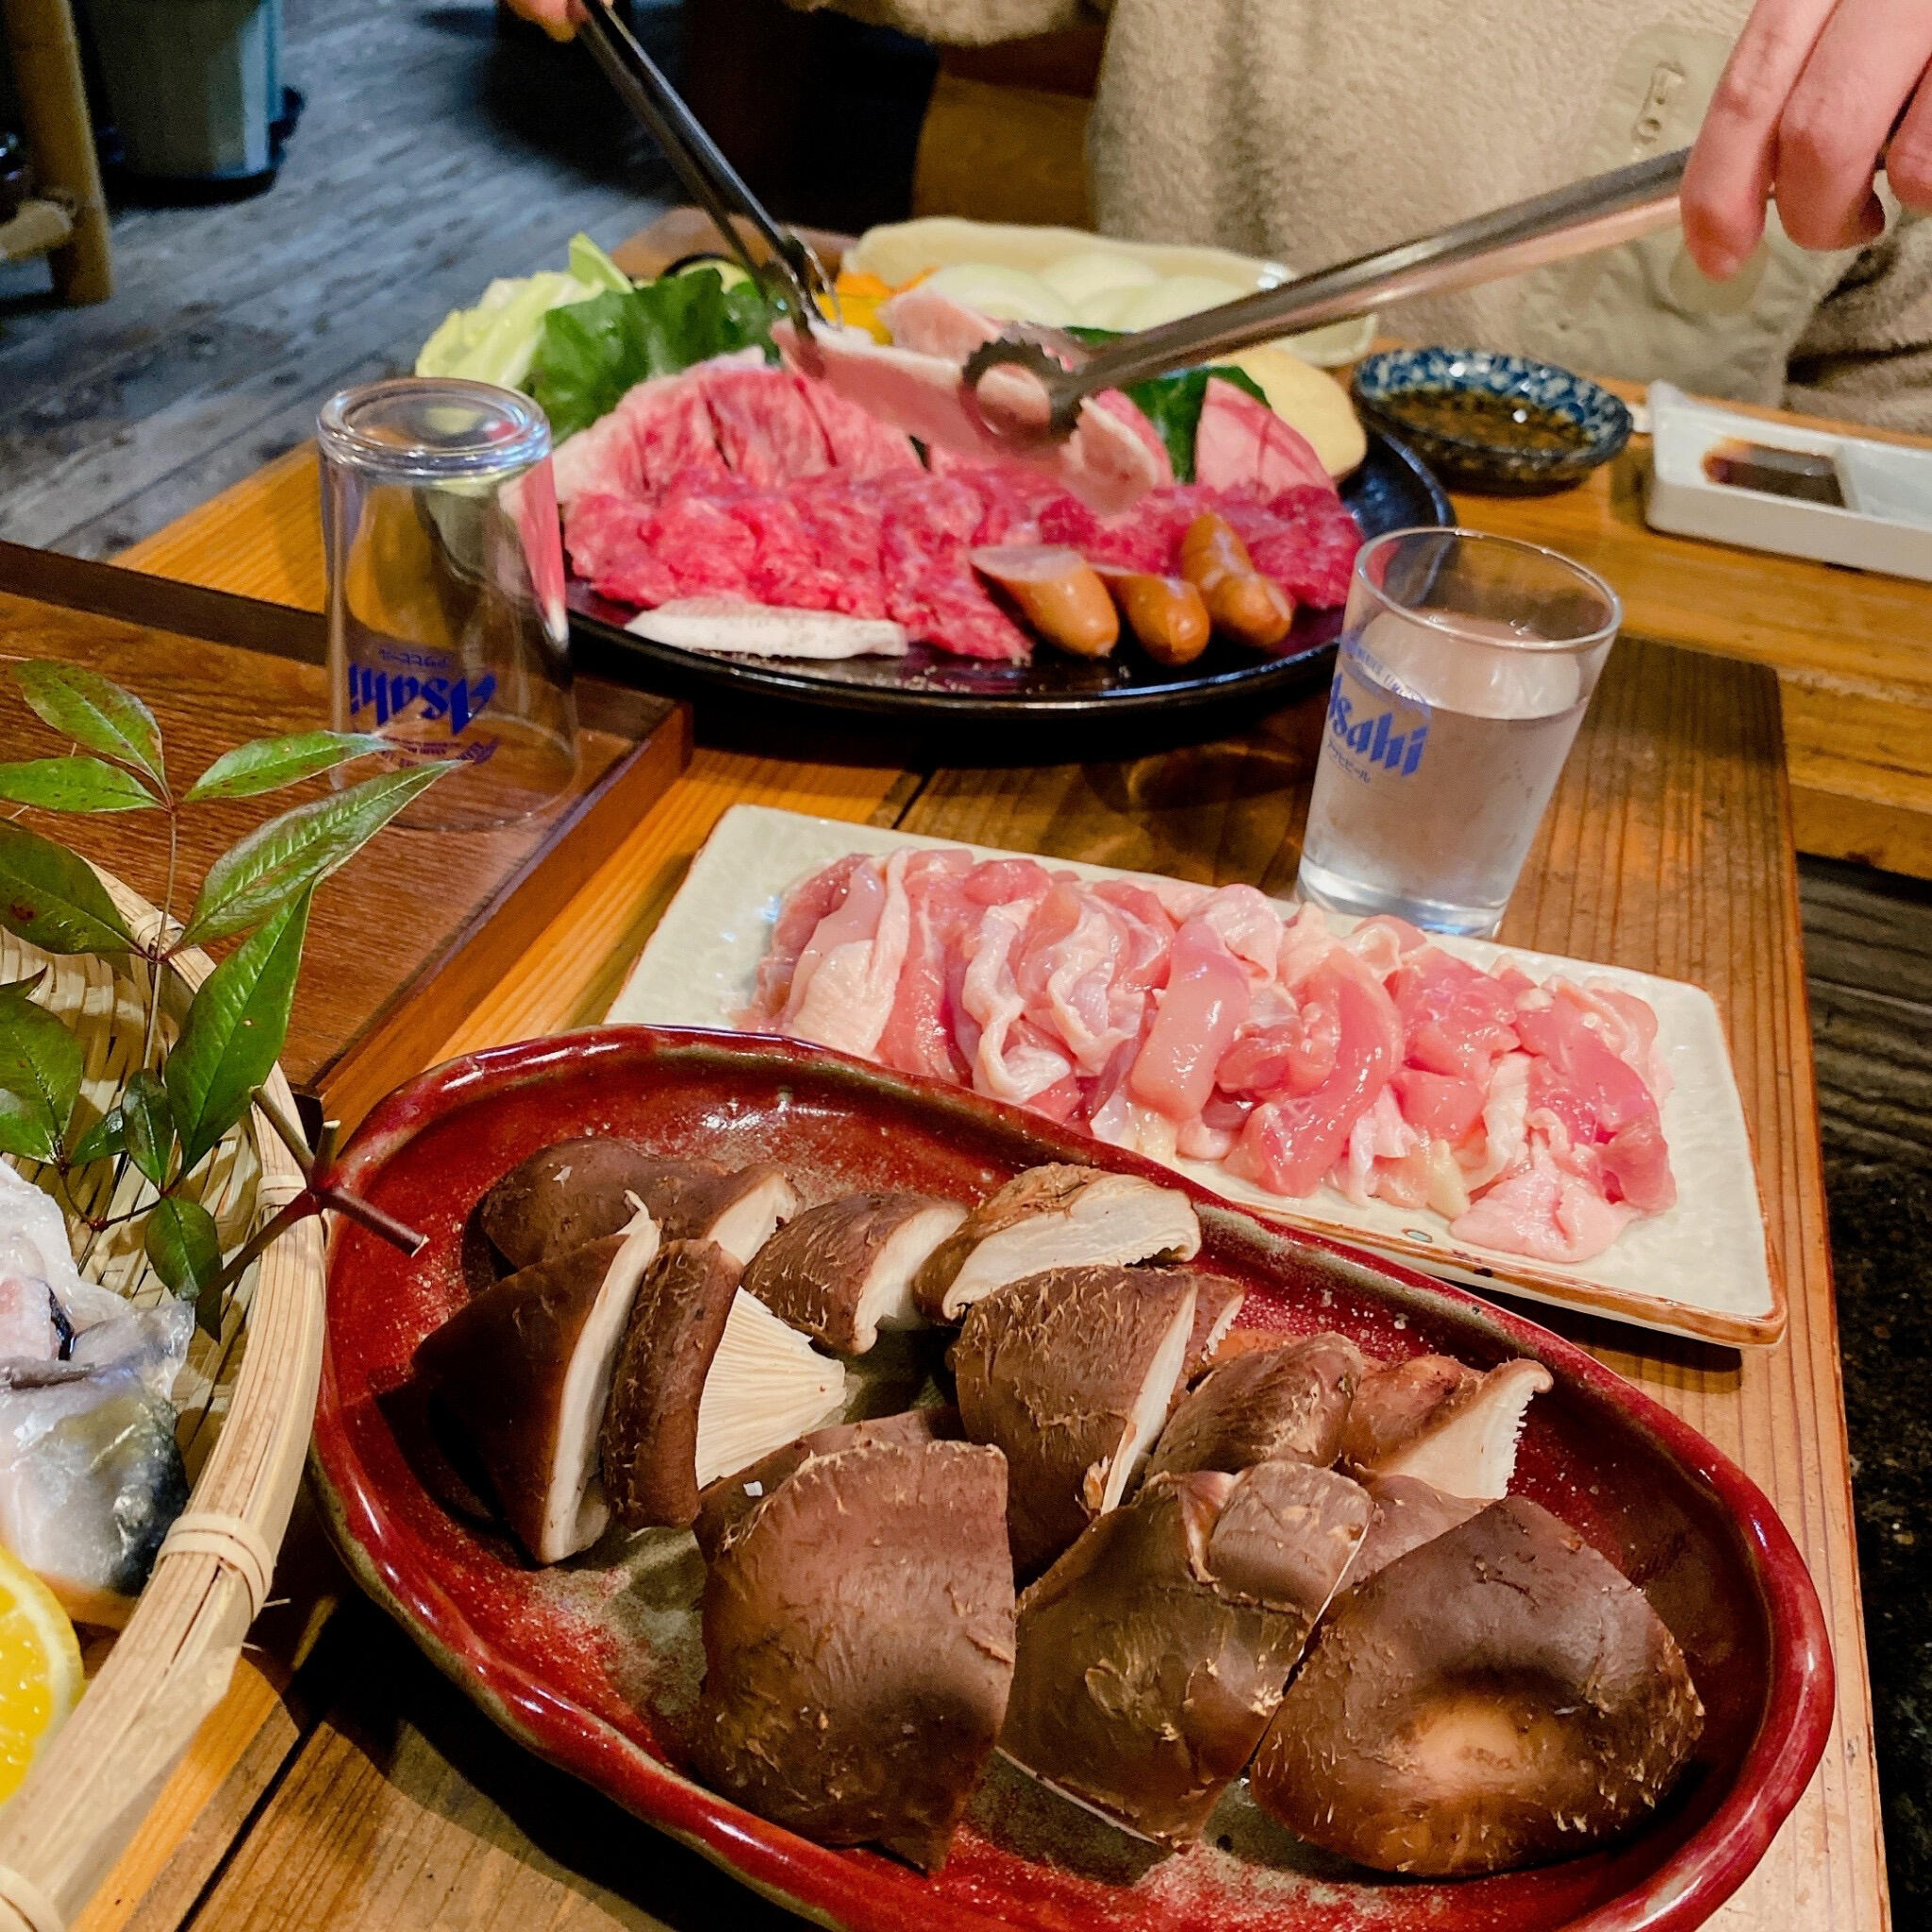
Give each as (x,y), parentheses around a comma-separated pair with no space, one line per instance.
(1473,415)
(1778,471)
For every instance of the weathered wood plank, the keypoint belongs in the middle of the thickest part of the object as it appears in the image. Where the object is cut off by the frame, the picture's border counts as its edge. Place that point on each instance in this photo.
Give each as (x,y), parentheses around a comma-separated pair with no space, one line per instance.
(407,1807)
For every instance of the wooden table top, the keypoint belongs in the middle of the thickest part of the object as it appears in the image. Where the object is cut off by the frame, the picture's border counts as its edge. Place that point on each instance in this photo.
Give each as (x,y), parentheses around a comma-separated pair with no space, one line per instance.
(365,1792)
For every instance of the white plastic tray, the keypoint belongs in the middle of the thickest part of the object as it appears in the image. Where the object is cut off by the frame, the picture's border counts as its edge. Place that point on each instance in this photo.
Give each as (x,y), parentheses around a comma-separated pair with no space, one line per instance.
(1885,525)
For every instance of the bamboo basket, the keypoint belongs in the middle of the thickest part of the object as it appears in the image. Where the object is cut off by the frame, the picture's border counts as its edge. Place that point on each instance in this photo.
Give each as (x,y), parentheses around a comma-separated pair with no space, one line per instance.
(246,1401)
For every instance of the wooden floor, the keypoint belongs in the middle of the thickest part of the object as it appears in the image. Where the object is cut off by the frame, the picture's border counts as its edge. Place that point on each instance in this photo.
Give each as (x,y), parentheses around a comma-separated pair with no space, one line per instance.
(433,156)
(430,158)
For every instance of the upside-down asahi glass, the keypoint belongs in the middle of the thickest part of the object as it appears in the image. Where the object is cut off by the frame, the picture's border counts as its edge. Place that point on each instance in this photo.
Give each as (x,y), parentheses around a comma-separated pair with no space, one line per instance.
(1465,666)
(446,625)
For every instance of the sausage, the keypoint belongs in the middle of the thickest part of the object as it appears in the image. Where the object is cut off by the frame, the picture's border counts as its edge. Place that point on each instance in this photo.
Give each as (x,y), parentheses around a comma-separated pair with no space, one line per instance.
(1245,605)
(1166,614)
(1058,594)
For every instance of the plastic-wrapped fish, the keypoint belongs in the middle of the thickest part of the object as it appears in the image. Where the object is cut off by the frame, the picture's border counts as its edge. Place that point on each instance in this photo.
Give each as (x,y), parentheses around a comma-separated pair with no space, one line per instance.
(33,1324)
(90,1476)
(38,1282)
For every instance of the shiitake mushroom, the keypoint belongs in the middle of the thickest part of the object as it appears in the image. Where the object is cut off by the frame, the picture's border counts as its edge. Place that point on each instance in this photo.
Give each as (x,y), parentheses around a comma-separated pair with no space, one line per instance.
(843,1269)
(1500,1695)
(1292,1401)
(859,1645)
(1070,1374)
(579,1190)
(1153,1653)
(523,1370)
(1454,1427)
(1059,1216)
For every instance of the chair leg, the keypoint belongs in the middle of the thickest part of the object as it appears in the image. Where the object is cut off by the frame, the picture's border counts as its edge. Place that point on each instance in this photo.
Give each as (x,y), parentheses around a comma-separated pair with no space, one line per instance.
(46,68)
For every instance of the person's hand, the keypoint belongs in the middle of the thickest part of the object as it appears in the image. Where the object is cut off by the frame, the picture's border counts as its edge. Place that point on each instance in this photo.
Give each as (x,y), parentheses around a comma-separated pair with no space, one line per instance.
(1807,110)
(558,18)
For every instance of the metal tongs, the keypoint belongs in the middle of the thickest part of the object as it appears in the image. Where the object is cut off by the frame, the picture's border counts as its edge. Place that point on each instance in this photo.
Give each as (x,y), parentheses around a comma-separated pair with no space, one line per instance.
(789,271)
(1601,212)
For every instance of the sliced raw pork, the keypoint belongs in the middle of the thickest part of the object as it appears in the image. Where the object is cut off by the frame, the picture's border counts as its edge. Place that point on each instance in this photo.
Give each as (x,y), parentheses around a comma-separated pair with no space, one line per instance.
(1242,444)
(1187,1022)
(1104,462)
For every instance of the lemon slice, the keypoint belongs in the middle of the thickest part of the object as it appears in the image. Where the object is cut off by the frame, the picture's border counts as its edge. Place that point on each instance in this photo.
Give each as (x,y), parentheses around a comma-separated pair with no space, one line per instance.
(40,1670)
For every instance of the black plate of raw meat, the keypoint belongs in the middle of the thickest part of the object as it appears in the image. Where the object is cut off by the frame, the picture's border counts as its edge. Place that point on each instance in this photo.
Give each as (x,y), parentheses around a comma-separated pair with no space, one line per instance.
(1390,490)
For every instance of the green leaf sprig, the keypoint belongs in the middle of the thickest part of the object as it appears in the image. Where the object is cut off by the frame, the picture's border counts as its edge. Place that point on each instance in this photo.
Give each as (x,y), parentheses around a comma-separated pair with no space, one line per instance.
(175,1107)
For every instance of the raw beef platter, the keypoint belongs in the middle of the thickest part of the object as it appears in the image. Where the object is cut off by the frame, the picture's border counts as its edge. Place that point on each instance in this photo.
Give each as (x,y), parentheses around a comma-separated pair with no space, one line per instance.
(1573,1132)
(732,484)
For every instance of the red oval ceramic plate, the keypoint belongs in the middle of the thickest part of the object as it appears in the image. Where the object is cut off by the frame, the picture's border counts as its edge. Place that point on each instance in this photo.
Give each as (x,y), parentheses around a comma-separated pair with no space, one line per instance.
(594,1664)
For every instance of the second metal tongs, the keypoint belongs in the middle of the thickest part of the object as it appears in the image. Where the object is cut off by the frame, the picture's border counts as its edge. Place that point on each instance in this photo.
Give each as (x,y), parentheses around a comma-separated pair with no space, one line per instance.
(790,270)
(1601,212)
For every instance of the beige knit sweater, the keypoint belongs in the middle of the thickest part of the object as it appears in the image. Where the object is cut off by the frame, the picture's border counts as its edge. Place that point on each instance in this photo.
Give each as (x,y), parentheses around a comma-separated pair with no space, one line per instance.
(1311,130)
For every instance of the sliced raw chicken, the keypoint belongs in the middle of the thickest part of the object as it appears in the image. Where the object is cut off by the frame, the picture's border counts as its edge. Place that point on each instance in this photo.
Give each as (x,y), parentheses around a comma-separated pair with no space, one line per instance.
(1180,1020)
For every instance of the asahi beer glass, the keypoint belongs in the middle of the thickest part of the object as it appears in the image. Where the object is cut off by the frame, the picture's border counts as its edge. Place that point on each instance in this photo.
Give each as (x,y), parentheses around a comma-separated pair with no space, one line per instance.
(1465,665)
(446,625)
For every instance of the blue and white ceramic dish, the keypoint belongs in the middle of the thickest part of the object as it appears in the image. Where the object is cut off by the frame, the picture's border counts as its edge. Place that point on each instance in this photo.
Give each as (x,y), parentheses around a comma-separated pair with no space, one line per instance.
(1490,421)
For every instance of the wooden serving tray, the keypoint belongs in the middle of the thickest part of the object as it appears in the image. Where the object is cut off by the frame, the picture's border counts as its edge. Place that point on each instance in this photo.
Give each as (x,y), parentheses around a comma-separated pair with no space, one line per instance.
(419,925)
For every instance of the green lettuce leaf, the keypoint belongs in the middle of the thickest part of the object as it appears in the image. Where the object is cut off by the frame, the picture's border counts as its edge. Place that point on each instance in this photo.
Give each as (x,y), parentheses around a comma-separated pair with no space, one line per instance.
(1173,403)
(591,352)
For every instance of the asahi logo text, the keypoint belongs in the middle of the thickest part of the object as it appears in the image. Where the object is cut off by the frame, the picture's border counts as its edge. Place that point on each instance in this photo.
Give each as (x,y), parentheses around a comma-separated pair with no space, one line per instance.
(388,695)
(1375,741)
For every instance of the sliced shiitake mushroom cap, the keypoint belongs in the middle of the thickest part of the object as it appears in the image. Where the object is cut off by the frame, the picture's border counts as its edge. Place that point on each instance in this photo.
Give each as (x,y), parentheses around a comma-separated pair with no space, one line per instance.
(1153,1653)
(579,1190)
(1060,1216)
(1070,1373)
(726,1502)
(1292,1401)
(1406,1513)
(1216,1305)
(523,1370)
(843,1269)
(1451,1426)
(858,1646)
(1499,1696)
(736,1209)
(707,1379)
(563,1196)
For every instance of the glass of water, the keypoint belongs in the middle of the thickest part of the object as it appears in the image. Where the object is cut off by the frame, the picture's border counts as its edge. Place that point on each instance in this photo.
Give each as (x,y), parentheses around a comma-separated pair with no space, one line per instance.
(1465,666)
(446,626)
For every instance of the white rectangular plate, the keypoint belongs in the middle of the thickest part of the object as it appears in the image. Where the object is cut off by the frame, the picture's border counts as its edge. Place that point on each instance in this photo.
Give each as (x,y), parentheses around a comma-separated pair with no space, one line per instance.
(1702,1269)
